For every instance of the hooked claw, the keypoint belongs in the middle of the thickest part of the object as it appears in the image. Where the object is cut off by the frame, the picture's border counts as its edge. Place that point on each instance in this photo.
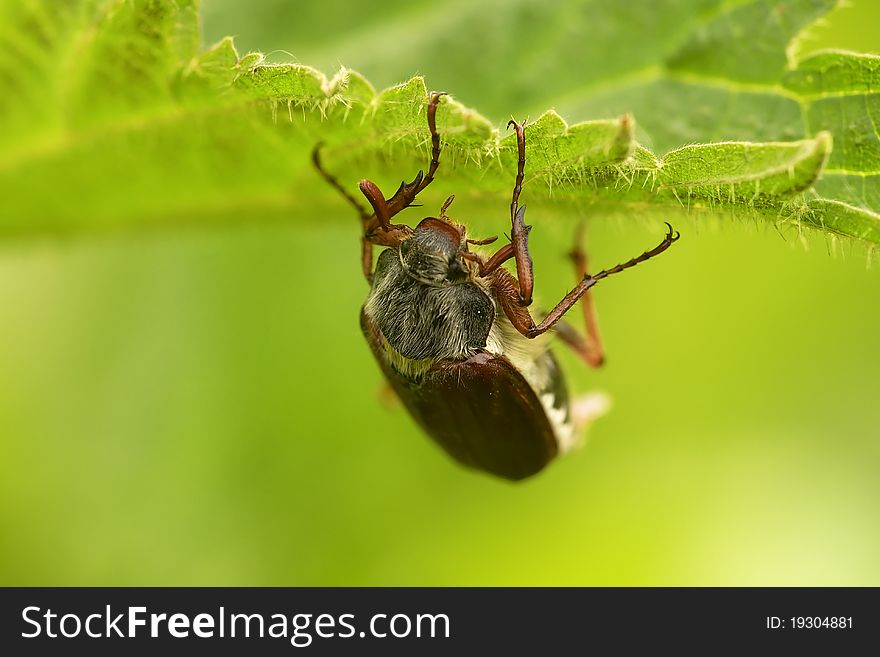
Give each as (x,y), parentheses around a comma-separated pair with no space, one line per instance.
(671,235)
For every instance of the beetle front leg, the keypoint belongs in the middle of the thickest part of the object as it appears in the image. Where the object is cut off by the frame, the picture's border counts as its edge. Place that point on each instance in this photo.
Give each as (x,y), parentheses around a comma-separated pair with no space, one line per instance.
(366,245)
(406,193)
(379,229)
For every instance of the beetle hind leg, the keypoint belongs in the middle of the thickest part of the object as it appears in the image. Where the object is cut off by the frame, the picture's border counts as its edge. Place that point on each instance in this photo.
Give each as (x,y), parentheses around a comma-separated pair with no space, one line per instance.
(589,346)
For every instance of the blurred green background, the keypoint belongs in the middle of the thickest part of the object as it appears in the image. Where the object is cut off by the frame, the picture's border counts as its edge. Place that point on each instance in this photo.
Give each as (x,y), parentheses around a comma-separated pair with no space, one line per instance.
(200,408)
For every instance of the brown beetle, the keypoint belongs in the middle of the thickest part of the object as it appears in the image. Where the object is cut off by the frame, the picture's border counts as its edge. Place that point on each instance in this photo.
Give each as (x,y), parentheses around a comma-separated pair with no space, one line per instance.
(453,335)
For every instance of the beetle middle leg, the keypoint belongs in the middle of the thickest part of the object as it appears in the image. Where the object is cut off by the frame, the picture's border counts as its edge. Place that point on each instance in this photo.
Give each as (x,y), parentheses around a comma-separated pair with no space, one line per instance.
(406,193)
(519,232)
(379,229)
(518,248)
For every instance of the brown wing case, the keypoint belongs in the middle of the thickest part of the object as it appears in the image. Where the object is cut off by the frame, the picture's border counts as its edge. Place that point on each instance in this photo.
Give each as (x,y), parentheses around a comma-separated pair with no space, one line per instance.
(481,410)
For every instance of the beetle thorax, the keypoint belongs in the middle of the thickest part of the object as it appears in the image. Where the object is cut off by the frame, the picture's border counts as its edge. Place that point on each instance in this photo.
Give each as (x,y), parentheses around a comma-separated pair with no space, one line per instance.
(432,255)
(433,321)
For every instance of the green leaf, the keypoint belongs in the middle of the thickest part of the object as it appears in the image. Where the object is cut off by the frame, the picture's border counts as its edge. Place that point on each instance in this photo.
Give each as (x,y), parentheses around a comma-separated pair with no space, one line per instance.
(840,92)
(715,50)
(113,117)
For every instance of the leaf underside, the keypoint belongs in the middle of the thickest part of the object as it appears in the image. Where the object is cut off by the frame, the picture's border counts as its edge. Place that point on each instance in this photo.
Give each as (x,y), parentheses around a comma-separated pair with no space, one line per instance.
(113,116)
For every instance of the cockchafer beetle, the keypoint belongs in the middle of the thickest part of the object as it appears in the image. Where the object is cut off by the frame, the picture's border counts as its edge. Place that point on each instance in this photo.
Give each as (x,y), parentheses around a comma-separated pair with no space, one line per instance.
(452,333)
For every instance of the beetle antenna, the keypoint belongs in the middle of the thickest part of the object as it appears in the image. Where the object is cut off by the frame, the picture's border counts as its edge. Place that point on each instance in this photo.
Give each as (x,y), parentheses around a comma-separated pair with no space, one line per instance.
(445,205)
(483,242)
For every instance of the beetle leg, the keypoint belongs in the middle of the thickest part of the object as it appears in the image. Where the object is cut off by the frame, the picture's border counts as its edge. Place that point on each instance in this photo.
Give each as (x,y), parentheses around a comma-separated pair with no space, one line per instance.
(367,259)
(316,160)
(505,288)
(366,245)
(584,346)
(435,139)
(501,256)
(518,247)
(519,236)
(519,232)
(379,230)
(589,346)
(406,193)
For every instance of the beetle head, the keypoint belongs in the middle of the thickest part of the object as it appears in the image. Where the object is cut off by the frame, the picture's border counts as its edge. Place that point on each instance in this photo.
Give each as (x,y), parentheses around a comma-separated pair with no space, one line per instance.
(433,253)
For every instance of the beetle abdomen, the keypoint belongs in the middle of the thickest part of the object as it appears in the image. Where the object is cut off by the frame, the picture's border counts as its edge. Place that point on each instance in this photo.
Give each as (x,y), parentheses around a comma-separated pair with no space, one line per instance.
(481,410)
